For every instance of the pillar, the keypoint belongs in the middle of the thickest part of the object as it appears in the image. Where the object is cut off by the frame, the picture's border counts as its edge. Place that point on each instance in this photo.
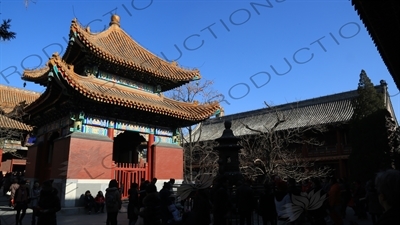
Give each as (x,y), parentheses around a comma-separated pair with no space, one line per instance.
(110,133)
(150,160)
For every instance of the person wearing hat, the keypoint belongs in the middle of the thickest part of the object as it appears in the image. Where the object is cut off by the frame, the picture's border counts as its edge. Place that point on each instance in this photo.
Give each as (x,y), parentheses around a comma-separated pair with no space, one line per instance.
(48,205)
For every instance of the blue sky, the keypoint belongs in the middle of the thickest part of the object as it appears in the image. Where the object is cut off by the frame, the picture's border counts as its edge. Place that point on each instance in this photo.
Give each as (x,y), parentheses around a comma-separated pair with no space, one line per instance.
(244,46)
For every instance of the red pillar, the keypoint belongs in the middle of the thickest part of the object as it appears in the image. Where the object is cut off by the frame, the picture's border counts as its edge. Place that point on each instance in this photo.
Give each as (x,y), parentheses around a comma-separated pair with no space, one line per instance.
(110,133)
(150,143)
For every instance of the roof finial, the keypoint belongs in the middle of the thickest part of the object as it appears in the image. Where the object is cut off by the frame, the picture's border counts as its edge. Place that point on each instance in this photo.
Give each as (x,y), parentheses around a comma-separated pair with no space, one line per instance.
(115,20)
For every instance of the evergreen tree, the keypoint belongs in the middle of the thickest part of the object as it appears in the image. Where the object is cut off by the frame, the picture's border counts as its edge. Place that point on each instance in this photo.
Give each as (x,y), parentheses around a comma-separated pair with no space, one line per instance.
(5,34)
(369,100)
(370,135)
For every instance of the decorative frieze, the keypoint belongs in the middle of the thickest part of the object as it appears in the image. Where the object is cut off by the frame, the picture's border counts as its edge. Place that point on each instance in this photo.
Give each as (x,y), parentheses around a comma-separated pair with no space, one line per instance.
(97,125)
(163,139)
(97,122)
(124,81)
(163,132)
(133,127)
(94,130)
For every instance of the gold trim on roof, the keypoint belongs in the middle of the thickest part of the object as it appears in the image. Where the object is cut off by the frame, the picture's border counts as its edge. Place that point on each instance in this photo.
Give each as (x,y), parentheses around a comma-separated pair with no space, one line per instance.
(116,94)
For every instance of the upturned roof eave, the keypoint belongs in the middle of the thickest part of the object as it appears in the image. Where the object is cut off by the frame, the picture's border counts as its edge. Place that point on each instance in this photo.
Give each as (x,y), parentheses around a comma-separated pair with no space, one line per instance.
(173,72)
(119,95)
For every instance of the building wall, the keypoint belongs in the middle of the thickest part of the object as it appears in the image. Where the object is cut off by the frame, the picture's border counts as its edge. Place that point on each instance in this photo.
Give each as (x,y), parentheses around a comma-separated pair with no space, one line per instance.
(90,158)
(60,158)
(31,162)
(167,162)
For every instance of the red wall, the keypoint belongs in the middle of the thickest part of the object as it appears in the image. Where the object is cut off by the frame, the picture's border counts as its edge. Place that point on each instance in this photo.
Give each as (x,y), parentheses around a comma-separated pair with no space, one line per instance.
(60,158)
(31,162)
(89,159)
(168,162)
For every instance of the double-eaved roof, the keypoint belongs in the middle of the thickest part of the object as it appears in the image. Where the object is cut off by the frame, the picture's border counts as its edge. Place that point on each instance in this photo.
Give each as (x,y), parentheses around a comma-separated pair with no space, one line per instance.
(101,91)
(331,109)
(115,52)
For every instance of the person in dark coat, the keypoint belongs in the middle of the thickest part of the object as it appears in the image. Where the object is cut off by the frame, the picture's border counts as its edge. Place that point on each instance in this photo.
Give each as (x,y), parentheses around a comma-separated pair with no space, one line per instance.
(22,197)
(200,214)
(35,194)
(245,202)
(48,205)
(142,191)
(374,208)
(267,209)
(317,216)
(133,205)
(113,207)
(165,193)
(388,185)
(222,204)
(89,202)
(151,211)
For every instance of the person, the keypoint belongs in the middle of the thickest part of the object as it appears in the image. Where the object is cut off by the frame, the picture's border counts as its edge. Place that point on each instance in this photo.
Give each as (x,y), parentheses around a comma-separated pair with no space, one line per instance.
(222,204)
(388,185)
(151,211)
(154,181)
(133,205)
(13,187)
(171,184)
(245,202)
(267,208)
(281,198)
(169,212)
(35,193)
(142,191)
(6,183)
(318,215)
(48,205)
(200,214)
(334,200)
(99,202)
(113,202)
(374,208)
(21,202)
(1,179)
(89,202)
(359,194)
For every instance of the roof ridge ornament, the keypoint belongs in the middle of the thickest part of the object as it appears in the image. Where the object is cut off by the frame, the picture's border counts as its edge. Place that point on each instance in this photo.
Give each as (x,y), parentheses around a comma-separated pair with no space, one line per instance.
(115,19)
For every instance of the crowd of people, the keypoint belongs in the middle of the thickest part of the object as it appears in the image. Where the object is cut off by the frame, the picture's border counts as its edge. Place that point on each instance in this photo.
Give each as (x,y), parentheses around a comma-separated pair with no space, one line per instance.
(42,199)
(378,199)
(329,199)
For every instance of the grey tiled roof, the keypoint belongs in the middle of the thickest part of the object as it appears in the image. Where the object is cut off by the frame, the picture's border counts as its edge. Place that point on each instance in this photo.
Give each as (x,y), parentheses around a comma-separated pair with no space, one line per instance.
(8,123)
(329,109)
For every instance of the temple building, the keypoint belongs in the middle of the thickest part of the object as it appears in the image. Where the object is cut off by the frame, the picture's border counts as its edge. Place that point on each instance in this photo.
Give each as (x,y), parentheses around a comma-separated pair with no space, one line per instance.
(103,114)
(332,113)
(14,134)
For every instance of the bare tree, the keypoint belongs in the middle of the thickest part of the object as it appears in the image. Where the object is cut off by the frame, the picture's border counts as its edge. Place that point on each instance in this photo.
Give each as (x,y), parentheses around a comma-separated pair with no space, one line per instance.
(273,151)
(195,151)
